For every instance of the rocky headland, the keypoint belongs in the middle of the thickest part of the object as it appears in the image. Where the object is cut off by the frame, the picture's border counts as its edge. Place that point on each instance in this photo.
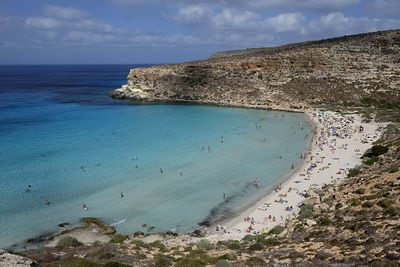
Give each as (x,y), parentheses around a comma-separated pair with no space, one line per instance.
(352,70)
(351,222)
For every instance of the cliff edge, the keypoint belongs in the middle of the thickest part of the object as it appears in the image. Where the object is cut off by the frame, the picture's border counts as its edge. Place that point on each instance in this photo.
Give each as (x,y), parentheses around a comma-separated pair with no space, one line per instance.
(361,69)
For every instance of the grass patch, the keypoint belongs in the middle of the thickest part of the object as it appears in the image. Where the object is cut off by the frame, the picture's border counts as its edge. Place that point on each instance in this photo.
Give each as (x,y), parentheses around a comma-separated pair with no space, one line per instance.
(158,244)
(204,245)
(118,239)
(306,212)
(232,244)
(78,262)
(161,260)
(371,161)
(353,172)
(116,264)
(138,243)
(276,230)
(68,242)
(324,221)
(196,258)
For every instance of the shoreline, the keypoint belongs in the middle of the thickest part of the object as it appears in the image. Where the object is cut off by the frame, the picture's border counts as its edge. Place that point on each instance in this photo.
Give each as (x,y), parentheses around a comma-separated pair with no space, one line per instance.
(250,207)
(348,149)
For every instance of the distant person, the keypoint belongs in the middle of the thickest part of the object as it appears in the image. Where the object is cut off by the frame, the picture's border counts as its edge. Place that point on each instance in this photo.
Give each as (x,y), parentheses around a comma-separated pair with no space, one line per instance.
(46,202)
(29,189)
(122,194)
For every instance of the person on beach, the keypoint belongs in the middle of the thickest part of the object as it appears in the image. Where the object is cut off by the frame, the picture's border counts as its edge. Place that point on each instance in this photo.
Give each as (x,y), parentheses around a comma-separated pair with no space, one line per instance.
(84,206)
(161,170)
(28,189)
(46,202)
(122,194)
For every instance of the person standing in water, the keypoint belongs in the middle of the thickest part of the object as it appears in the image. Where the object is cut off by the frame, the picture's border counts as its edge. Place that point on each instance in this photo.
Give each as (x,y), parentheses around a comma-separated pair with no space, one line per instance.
(122,194)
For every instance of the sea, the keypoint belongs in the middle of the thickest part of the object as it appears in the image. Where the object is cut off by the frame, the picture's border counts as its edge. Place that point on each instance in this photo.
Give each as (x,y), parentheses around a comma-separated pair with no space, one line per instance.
(68,151)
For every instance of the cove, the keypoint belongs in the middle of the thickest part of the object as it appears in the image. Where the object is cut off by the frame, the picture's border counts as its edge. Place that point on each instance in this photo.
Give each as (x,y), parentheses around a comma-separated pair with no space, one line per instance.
(172,163)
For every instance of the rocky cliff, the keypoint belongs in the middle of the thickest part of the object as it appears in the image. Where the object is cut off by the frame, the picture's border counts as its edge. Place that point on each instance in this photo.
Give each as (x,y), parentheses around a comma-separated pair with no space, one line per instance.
(360,69)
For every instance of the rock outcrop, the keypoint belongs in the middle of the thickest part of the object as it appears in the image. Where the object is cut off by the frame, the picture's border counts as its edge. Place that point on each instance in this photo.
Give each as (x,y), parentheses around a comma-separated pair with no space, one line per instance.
(12,260)
(361,69)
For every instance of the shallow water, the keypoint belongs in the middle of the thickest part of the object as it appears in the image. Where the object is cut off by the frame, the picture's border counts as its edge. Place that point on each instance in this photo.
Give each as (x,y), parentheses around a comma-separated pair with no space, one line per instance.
(62,134)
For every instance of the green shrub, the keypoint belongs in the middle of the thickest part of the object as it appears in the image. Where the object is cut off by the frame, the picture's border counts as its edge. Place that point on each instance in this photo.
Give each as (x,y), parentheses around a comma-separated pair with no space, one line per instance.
(354,226)
(69,242)
(138,243)
(161,260)
(78,262)
(196,258)
(306,212)
(385,203)
(255,261)
(367,204)
(360,191)
(256,246)
(370,161)
(116,264)
(117,239)
(378,150)
(204,244)
(228,256)
(392,211)
(276,230)
(271,241)
(158,244)
(223,263)
(232,244)
(353,172)
(105,228)
(355,202)
(324,221)
(105,255)
(368,101)
(338,205)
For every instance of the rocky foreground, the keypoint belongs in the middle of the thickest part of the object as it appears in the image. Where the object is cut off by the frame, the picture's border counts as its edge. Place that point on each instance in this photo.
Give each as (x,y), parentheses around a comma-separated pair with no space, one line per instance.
(352,223)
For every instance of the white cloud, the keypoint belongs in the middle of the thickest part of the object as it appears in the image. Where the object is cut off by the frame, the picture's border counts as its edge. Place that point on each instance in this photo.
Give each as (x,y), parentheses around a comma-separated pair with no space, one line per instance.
(194,13)
(385,7)
(339,24)
(64,12)
(89,24)
(89,37)
(41,23)
(287,22)
(321,5)
(232,19)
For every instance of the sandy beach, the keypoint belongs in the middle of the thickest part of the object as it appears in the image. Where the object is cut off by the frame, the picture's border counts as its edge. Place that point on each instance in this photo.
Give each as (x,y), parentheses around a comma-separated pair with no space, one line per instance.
(338,143)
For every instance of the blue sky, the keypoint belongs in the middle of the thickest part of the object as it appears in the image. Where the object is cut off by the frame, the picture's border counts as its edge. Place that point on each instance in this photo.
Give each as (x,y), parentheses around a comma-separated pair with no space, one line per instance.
(156,31)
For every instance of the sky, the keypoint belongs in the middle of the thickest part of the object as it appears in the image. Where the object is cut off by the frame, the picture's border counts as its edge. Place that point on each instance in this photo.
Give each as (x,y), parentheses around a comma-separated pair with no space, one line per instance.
(157,31)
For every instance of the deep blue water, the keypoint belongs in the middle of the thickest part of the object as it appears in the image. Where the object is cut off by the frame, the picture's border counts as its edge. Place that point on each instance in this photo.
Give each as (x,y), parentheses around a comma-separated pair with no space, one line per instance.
(62,134)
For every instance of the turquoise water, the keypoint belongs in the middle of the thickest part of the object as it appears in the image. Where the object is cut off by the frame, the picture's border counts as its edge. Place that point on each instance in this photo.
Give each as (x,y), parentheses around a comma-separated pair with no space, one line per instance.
(91,150)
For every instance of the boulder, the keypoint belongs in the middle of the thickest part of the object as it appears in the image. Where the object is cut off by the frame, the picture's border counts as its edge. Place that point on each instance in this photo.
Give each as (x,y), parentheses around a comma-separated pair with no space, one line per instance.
(12,260)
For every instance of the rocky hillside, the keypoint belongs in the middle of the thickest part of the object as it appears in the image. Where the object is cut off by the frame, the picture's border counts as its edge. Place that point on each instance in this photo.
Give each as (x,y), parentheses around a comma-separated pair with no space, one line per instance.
(353,70)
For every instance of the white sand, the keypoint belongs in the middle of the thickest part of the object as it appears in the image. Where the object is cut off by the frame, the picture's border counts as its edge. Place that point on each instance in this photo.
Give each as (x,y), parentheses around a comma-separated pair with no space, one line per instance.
(332,155)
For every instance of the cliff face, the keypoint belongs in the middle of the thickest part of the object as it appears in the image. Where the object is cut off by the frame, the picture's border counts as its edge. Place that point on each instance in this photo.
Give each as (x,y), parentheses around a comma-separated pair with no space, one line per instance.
(352,70)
